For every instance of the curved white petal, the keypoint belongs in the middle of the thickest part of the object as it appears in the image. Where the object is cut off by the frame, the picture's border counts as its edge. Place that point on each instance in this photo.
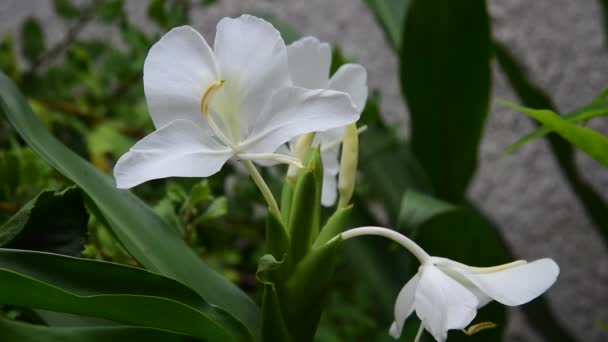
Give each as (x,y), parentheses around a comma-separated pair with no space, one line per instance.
(293,111)
(177,70)
(309,62)
(252,58)
(404,306)
(517,285)
(351,79)
(178,149)
(442,303)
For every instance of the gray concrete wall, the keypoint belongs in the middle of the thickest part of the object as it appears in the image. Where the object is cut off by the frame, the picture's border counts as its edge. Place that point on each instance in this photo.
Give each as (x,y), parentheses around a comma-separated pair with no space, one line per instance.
(562,45)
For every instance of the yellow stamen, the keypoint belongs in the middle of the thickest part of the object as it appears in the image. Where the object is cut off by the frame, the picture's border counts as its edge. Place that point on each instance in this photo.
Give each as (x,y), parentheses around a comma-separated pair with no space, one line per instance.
(474,329)
(211,89)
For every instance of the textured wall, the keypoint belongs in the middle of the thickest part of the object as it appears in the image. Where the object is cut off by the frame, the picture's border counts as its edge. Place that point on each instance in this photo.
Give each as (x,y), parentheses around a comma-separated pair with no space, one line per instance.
(561,44)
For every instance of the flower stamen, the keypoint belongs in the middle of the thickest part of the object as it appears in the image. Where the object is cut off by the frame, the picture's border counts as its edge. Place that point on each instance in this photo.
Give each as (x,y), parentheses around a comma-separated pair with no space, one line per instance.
(211,89)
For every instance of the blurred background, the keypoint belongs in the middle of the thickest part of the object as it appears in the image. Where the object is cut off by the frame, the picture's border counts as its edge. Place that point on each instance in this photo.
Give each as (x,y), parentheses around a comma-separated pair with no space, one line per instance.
(561,45)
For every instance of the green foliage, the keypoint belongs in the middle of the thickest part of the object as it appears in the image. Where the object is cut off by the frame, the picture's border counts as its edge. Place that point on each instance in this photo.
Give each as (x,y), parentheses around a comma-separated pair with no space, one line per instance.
(445,74)
(391,15)
(66,9)
(80,286)
(32,39)
(16,331)
(51,222)
(588,140)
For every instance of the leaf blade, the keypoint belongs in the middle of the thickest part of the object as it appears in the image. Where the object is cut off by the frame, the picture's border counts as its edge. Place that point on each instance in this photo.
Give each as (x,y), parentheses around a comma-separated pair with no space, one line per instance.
(145,235)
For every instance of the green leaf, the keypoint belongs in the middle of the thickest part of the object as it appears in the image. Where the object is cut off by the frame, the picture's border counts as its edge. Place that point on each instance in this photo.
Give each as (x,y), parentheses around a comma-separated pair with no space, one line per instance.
(446,80)
(391,16)
(604,5)
(335,225)
(53,222)
(588,140)
(133,296)
(273,325)
(66,9)
(597,108)
(306,290)
(23,332)
(32,40)
(157,12)
(144,234)
(305,210)
(110,10)
(532,96)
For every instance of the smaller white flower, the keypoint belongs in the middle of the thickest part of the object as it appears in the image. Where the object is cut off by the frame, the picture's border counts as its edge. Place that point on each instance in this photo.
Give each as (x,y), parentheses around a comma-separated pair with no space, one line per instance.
(446,294)
(309,64)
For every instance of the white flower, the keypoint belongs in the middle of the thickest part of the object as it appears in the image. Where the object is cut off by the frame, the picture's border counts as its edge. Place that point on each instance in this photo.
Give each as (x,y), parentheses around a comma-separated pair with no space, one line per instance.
(446,294)
(235,100)
(309,64)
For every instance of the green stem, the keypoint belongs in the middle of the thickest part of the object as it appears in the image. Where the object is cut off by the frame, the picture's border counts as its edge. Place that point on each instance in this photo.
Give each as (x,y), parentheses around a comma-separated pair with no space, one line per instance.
(259,181)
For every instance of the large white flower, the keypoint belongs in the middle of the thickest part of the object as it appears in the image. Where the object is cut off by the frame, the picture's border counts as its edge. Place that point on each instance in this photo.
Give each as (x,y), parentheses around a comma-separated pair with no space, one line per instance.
(235,100)
(309,64)
(446,294)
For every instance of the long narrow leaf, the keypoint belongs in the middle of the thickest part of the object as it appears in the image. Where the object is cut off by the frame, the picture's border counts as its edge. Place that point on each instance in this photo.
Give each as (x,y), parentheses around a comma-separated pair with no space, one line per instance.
(390,14)
(111,291)
(596,109)
(23,332)
(588,140)
(145,235)
(446,80)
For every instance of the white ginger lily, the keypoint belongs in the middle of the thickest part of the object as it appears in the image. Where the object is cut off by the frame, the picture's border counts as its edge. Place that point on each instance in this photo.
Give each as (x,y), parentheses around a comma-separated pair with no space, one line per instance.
(446,294)
(309,64)
(235,100)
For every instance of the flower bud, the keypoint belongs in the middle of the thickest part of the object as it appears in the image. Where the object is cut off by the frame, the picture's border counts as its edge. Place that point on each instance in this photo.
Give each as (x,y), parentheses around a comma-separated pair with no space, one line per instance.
(348,165)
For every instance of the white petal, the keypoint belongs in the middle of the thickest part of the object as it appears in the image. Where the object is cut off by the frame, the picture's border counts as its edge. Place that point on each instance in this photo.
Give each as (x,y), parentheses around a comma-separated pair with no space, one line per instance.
(309,62)
(177,70)
(252,58)
(329,194)
(178,149)
(331,167)
(351,79)
(293,111)
(404,306)
(517,285)
(442,303)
